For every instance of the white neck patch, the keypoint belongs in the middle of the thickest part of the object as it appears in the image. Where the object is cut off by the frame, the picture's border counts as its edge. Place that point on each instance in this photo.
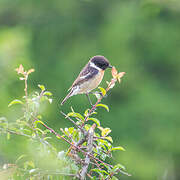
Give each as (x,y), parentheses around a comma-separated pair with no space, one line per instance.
(94,66)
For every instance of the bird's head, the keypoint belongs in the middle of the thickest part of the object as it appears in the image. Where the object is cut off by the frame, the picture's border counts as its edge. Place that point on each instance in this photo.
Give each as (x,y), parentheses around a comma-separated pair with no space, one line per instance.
(100,62)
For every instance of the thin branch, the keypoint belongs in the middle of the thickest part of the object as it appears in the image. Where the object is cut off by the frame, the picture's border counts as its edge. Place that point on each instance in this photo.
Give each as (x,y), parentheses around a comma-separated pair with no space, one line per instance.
(14,132)
(77,147)
(26,86)
(49,172)
(56,134)
(67,117)
(98,101)
(89,151)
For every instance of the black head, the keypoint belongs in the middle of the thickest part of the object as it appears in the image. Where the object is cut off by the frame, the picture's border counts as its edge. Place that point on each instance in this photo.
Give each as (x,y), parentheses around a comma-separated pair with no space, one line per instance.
(100,62)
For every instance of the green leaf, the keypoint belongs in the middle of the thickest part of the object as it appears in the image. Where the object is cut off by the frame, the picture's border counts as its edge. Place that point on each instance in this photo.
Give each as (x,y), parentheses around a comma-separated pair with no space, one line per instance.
(109,138)
(39,117)
(95,120)
(71,130)
(36,122)
(41,131)
(93,178)
(47,138)
(72,109)
(86,112)
(20,157)
(47,131)
(76,115)
(41,87)
(118,148)
(104,106)
(58,137)
(50,100)
(30,163)
(27,131)
(118,166)
(103,91)
(47,93)
(15,101)
(87,127)
(104,131)
(100,172)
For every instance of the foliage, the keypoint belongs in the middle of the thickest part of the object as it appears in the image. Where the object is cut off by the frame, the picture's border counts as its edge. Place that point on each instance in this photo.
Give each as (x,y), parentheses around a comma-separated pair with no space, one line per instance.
(90,145)
(139,36)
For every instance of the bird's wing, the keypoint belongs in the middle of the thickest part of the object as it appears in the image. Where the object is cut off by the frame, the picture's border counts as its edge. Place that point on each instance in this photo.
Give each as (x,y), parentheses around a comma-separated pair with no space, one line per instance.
(86,73)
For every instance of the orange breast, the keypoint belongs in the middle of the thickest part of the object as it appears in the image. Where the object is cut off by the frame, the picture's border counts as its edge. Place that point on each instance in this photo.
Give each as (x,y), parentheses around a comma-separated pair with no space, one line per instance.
(92,83)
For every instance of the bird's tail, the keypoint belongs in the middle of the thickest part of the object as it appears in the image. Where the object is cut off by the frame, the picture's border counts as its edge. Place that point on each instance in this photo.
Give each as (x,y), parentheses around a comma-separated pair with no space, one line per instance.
(67,97)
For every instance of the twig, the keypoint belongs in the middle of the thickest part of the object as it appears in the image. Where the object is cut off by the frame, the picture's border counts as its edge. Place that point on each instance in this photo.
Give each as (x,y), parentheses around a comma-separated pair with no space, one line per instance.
(56,134)
(49,172)
(26,86)
(67,117)
(89,151)
(98,101)
(79,127)
(86,153)
(13,132)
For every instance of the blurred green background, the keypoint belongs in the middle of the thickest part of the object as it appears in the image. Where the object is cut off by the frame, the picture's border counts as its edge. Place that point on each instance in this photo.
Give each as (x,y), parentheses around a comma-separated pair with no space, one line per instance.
(140,37)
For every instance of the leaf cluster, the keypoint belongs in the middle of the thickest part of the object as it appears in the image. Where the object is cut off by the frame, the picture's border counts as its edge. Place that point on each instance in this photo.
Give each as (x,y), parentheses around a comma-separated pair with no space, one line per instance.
(90,144)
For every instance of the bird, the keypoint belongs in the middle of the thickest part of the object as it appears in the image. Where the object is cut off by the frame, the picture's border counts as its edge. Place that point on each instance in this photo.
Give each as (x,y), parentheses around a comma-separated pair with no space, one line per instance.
(89,78)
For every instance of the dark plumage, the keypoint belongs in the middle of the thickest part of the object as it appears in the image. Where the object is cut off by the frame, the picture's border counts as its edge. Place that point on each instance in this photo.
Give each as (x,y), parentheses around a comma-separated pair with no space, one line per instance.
(100,61)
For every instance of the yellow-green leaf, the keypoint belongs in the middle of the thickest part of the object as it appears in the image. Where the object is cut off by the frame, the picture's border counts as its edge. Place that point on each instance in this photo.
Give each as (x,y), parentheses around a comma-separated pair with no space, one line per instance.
(118,166)
(20,157)
(87,127)
(36,122)
(15,101)
(41,87)
(95,120)
(103,91)
(30,71)
(71,130)
(109,138)
(47,93)
(104,131)
(118,148)
(58,137)
(76,115)
(86,112)
(39,117)
(104,106)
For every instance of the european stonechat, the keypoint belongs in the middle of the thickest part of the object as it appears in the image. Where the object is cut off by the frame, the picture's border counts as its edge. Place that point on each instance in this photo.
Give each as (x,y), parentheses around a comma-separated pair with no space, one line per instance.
(89,78)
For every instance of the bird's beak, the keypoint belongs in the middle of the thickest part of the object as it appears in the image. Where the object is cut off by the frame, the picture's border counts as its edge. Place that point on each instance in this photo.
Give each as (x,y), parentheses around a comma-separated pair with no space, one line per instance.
(110,66)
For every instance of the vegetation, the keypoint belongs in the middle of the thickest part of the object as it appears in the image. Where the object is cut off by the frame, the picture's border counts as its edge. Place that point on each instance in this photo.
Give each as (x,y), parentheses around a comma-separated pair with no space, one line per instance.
(90,145)
(57,38)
